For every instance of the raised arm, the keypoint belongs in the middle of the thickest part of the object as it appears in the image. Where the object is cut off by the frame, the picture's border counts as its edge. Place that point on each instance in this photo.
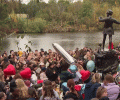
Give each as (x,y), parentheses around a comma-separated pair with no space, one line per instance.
(102,19)
(115,21)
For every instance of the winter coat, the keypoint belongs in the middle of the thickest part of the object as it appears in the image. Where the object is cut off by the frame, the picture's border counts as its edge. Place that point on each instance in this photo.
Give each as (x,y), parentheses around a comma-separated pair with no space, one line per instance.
(65,76)
(51,76)
(90,90)
(112,90)
(74,96)
(2,86)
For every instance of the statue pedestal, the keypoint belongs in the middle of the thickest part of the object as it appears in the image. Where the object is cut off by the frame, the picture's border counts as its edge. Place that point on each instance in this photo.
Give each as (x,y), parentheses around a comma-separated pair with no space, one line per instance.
(106,61)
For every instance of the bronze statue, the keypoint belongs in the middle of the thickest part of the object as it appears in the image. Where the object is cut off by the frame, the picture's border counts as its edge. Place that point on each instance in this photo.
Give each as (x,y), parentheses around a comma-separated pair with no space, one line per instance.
(108,28)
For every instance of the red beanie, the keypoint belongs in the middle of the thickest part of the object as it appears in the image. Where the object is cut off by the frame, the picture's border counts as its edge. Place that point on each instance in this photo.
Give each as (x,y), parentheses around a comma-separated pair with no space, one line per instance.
(39,81)
(85,74)
(77,87)
(27,82)
(10,70)
(26,73)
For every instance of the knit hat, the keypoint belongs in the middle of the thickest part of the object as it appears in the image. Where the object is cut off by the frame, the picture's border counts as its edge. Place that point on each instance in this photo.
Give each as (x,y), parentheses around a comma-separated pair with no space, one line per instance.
(26,73)
(90,65)
(10,70)
(39,81)
(73,68)
(27,82)
(85,75)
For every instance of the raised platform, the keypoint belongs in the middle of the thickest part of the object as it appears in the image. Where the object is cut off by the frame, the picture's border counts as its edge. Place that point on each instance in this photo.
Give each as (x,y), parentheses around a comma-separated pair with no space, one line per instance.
(106,61)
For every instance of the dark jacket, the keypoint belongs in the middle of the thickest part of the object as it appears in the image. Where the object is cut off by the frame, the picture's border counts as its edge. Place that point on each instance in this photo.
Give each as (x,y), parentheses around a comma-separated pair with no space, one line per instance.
(104,98)
(65,76)
(2,86)
(73,96)
(108,26)
(51,76)
(90,90)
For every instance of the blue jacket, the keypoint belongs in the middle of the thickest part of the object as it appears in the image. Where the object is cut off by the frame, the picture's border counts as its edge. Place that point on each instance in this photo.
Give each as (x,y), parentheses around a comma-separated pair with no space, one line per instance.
(90,90)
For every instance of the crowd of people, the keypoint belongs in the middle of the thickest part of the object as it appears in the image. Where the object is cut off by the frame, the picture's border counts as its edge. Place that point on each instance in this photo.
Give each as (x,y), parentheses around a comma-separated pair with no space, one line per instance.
(45,75)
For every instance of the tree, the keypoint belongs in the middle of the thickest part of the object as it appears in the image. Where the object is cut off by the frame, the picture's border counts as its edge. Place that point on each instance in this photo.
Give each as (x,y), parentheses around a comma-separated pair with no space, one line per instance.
(3,11)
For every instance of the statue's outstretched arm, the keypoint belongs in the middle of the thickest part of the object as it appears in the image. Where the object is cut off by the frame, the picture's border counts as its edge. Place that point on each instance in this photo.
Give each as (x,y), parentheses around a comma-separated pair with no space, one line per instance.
(102,19)
(117,22)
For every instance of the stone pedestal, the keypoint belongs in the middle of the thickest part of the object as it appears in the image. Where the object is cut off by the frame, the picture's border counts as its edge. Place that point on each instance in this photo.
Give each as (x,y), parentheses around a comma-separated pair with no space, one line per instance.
(106,61)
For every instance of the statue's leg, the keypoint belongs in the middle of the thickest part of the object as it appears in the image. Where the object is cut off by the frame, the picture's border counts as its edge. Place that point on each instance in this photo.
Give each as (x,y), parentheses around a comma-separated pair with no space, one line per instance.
(110,41)
(104,38)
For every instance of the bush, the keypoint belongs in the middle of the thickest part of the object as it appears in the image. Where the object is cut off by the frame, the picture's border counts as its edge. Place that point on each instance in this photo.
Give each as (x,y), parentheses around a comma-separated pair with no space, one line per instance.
(21,25)
(37,26)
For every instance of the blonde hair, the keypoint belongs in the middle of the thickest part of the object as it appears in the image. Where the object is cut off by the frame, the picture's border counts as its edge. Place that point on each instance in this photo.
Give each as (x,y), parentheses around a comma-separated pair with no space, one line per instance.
(96,78)
(23,88)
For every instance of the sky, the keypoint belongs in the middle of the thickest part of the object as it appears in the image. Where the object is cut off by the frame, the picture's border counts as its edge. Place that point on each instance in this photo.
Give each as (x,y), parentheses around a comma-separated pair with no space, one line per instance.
(27,1)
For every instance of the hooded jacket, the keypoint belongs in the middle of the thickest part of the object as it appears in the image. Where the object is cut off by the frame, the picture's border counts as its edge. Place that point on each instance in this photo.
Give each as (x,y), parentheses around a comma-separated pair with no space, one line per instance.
(112,90)
(90,90)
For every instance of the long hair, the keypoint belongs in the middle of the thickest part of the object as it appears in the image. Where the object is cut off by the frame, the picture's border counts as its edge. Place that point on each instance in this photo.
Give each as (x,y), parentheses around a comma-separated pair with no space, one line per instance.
(48,89)
(32,92)
(71,85)
(1,76)
(22,87)
(96,78)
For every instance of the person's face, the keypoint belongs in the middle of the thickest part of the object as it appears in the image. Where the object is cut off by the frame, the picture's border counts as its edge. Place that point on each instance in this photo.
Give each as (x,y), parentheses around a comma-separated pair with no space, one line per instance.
(105,93)
(50,51)
(0,69)
(52,66)
(42,52)
(80,62)
(17,66)
(50,60)
(5,55)
(12,52)
(24,66)
(58,65)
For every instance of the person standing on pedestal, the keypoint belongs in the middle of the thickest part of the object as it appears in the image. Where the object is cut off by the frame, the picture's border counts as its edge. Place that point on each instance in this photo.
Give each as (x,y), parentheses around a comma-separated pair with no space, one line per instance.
(108,27)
